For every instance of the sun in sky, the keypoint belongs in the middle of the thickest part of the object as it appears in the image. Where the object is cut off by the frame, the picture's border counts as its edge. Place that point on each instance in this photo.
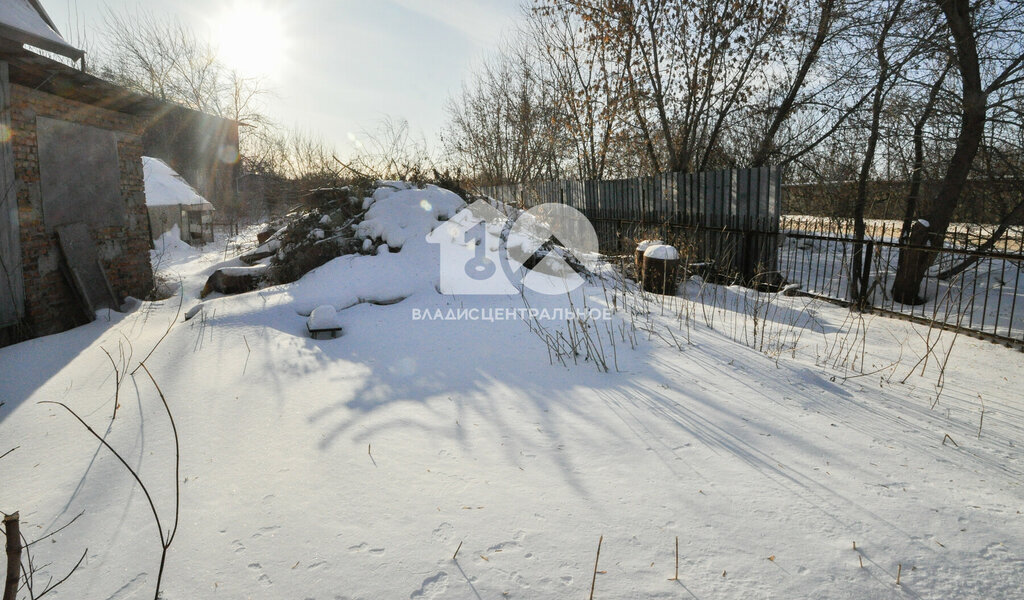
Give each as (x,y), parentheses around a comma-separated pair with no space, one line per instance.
(252,38)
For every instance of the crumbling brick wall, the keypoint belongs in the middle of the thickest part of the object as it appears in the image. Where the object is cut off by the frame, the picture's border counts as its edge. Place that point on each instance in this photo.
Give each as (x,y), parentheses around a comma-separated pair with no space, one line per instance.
(50,302)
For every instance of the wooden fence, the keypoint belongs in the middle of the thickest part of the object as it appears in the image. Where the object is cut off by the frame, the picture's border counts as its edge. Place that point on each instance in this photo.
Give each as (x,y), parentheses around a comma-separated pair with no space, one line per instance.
(728,218)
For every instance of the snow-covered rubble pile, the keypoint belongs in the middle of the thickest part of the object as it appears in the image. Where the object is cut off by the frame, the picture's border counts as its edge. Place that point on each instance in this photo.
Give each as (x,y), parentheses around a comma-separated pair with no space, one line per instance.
(396,259)
(398,212)
(346,221)
(392,218)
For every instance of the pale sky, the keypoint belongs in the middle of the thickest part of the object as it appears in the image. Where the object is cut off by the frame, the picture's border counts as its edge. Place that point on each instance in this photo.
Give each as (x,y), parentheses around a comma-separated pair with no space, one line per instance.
(337,67)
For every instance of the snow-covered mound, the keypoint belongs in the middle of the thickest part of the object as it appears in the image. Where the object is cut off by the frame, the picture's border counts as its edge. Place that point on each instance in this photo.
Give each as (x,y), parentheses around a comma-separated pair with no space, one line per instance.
(396,216)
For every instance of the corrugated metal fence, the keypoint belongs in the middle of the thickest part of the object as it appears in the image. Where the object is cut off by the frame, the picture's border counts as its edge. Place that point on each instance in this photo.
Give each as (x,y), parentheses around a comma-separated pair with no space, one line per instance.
(727,218)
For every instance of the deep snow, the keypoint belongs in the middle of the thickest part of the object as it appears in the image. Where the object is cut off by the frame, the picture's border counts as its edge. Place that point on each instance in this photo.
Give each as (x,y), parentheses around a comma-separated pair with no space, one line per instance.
(354,467)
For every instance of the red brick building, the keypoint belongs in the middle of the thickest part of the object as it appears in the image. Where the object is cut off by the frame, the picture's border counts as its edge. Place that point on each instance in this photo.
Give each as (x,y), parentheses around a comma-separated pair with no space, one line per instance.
(70,153)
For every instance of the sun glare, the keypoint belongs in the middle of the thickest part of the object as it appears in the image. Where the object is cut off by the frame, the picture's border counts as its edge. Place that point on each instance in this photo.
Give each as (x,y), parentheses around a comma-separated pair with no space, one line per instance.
(252,39)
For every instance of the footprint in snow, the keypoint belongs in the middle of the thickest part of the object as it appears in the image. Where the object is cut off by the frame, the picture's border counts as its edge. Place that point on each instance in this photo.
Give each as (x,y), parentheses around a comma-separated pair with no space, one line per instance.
(262,576)
(443,532)
(265,531)
(364,547)
(432,587)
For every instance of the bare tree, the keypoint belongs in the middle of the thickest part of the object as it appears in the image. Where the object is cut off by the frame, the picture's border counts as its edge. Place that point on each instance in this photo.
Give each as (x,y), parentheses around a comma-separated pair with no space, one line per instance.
(163,58)
(502,126)
(986,49)
(806,39)
(589,92)
(391,151)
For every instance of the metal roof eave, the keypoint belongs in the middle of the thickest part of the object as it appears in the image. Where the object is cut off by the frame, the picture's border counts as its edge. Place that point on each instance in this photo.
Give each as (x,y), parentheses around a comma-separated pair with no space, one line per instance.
(23,37)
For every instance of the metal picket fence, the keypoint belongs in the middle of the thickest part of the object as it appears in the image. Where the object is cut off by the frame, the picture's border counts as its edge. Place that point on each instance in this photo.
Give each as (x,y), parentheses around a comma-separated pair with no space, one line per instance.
(985,298)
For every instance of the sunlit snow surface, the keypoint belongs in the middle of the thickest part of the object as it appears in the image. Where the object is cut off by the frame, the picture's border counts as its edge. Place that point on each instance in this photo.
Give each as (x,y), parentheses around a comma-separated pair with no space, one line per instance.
(354,467)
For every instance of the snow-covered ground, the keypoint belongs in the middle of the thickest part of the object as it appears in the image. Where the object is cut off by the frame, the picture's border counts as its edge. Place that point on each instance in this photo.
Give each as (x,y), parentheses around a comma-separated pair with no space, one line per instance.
(767,433)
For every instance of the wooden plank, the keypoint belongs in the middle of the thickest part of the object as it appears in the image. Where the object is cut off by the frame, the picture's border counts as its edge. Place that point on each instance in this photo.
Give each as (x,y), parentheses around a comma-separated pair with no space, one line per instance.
(677,198)
(714,190)
(698,198)
(746,211)
(735,218)
(681,195)
(691,199)
(12,282)
(611,197)
(83,262)
(629,210)
(634,209)
(775,209)
(712,194)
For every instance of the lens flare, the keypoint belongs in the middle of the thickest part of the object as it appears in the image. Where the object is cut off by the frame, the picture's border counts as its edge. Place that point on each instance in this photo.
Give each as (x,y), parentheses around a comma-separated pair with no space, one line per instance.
(228,154)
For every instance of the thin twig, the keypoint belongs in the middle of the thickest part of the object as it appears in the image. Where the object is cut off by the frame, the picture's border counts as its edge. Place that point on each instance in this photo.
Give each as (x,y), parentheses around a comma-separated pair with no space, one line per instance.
(165,539)
(457,550)
(181,300)
(56,531)
(50,588)
(120,459)
(177,456)
(981,421)
(593,581)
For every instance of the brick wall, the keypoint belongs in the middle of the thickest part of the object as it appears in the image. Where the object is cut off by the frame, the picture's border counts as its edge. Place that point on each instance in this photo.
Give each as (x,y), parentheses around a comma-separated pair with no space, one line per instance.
(50,303)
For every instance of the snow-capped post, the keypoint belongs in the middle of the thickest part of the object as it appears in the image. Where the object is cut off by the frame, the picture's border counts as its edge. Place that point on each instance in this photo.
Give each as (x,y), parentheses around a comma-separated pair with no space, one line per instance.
(659,269)
(324,319)
(13,530)
(639,254)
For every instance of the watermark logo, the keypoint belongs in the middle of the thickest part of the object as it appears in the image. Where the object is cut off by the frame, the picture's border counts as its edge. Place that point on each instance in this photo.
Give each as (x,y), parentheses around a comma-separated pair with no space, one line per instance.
(482,254)
(558,314)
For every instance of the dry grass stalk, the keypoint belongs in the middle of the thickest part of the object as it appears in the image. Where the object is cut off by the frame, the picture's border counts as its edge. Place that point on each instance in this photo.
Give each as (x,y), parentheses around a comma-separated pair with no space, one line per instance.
(593,580)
